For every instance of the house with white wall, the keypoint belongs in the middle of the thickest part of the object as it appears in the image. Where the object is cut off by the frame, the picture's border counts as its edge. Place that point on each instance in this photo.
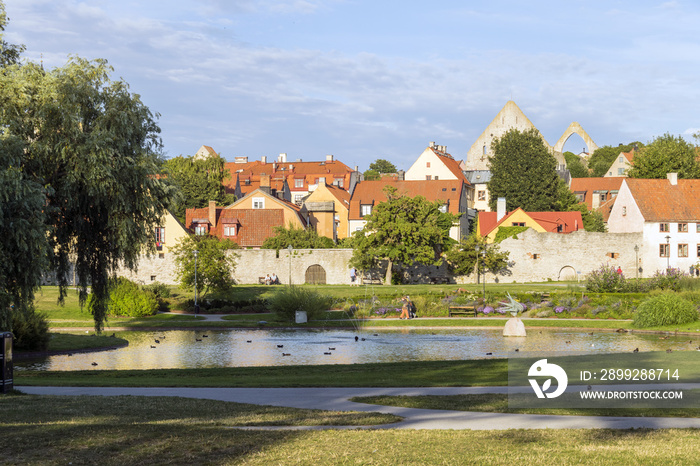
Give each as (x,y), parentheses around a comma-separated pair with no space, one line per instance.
(667,213)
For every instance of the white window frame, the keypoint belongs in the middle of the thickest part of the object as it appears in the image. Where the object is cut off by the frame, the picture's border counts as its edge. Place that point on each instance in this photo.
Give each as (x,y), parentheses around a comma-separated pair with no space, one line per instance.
(229,229)
(258,203)
(365,210)
(299,182)
(200,229)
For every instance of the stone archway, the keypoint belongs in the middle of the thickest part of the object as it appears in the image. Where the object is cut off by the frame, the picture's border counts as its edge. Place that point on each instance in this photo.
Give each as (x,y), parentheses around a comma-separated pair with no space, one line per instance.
(315,275)
(575,128)
(567,274)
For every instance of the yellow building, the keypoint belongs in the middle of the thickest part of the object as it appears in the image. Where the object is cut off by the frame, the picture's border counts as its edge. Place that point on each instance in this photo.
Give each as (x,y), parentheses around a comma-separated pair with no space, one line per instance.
(327,210)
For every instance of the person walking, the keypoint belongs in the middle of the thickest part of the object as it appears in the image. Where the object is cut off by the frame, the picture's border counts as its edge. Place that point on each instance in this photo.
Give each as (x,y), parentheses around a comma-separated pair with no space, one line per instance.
(404,308)
(353,276)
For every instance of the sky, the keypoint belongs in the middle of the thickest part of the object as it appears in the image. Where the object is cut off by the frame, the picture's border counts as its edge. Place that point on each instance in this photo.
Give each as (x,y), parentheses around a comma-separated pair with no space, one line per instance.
(364,80)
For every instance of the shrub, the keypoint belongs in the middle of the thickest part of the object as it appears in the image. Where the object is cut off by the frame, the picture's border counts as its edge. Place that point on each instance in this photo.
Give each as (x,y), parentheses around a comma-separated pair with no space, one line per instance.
(605,279)
(30,330)
(669,279)
(290,299)
(127,300)
(665,309)
(159,290)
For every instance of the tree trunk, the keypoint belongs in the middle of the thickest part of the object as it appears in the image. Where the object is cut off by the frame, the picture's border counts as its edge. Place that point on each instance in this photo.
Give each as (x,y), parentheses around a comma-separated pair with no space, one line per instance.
(387,279)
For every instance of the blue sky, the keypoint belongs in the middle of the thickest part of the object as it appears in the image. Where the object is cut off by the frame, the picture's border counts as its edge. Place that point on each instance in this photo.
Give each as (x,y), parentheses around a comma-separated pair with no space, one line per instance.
(365,79)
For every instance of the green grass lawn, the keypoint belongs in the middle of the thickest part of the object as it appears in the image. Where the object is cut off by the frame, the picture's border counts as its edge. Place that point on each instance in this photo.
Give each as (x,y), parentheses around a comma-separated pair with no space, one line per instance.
(161,430)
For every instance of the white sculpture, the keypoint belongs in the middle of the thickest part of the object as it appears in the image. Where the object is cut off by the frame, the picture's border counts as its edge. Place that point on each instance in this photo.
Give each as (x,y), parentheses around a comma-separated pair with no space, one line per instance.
(514,327)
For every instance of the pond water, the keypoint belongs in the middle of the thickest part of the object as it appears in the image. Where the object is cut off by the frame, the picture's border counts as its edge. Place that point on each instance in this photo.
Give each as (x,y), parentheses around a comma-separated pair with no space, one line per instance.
(265,347)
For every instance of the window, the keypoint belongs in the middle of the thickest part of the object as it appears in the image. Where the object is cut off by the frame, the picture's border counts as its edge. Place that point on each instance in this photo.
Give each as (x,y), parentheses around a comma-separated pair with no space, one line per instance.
(436,177)
(603,197)
(624,210)
(229,230)
(535,256)
(428,177)
(560,228)
(321,180)
(613,255)
(258,203)
(682,228)
(620,160)
(298,199)
(365,209)
(620,171)
(682,250)
(481,195)
(518,224)
(200,229)
(153,278)
(664,250)
(161,255)
(339,182)
(580,197)
(427,164)
(663,227)
(299,183)
(698,250)
(697,227)
(160,235)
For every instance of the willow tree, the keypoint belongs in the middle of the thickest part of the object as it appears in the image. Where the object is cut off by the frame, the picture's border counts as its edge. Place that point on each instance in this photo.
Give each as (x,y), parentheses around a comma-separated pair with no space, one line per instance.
(93,148)
(401,231)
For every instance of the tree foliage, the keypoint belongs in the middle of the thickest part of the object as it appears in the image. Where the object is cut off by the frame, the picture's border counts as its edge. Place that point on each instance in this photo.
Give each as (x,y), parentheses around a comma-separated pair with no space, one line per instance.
(524,172)
(9,53)
(215,263)
(299,238)
(197,182)
(93,147)
(383,166)
(592,220)
(403,230)
(371,175)
(576,165)
(603,157)
(666,154)
(462,258)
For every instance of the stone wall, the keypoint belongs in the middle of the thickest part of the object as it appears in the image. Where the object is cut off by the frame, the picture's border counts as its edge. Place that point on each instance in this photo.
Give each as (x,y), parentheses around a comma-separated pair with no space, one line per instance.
(544,256)
(533,256)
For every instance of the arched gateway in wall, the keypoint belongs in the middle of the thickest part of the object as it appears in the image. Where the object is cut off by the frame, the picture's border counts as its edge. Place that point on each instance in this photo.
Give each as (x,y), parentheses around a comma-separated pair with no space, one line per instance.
(567,274)
(315,275)
(575,128)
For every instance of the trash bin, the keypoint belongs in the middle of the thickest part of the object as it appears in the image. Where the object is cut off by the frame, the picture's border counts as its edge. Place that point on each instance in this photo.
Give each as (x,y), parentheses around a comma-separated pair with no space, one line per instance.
(301,317)
(5,362)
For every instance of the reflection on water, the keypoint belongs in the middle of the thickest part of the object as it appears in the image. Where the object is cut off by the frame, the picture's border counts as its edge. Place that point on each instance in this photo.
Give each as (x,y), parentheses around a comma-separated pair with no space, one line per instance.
(239,348)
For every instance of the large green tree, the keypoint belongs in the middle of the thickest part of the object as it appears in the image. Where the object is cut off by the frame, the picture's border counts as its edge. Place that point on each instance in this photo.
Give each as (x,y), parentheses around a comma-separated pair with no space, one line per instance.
(666,154)
(215,263)
(401,231)
(575,165)
(298,238)
(197,181)
(524,172)
(462,258)
(9,53)
(604,156)
(383,166)
(93,147)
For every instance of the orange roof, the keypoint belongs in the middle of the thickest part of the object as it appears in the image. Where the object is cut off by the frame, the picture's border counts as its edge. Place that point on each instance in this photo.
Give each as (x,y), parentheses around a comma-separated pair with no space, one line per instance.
(309,171)
(372,192)
(550,221)
(342,195)
(588,186)
(606,207)
(660,201)
(628,155)
(451,164)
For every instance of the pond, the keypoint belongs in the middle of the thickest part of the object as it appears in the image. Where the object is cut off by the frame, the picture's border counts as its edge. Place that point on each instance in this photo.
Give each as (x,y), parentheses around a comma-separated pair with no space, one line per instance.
(278,347)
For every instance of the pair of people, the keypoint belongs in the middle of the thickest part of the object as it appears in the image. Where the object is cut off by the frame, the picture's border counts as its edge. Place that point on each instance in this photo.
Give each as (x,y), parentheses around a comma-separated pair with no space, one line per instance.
(272,279)
(407,308)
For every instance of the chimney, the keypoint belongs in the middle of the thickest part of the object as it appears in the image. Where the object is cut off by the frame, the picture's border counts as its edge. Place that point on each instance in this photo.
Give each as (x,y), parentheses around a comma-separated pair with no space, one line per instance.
(274,167)
(357,168)
(265,183)
(500,208)
(241,160)
(431,144)
(673,178)
(291,167)
(263,159)
(282,158)
(212,214)
(329,158)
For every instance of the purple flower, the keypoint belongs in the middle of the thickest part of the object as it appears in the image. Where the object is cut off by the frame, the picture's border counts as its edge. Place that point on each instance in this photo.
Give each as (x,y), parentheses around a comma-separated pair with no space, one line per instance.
(560,309)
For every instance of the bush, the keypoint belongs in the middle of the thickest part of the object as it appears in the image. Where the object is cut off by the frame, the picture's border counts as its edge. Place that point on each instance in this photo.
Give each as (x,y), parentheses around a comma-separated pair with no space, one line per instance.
(669,279)
(159,290)
(290,299)
(30,330)
(665,309)
(127,300)
(605,279)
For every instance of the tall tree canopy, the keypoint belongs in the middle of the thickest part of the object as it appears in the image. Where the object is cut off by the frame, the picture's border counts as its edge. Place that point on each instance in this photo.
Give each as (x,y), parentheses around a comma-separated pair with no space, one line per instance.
(298,238)
(215,263)
(9,53)
(524,172)
(91,149)
(403,230)
(383,166)
(197,182)
(666,154)
(604,156)
(575,165)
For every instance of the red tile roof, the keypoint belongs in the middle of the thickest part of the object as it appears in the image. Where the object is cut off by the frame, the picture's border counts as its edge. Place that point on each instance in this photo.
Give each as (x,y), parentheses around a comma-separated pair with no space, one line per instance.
(587,186)
(451,164)
(278,171)
(550,221)
(660,201)
(372,192)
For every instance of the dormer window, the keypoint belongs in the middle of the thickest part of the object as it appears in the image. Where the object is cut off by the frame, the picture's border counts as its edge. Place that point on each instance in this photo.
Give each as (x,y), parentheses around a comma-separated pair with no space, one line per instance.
(201,229)
(229,229)
(365,210)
